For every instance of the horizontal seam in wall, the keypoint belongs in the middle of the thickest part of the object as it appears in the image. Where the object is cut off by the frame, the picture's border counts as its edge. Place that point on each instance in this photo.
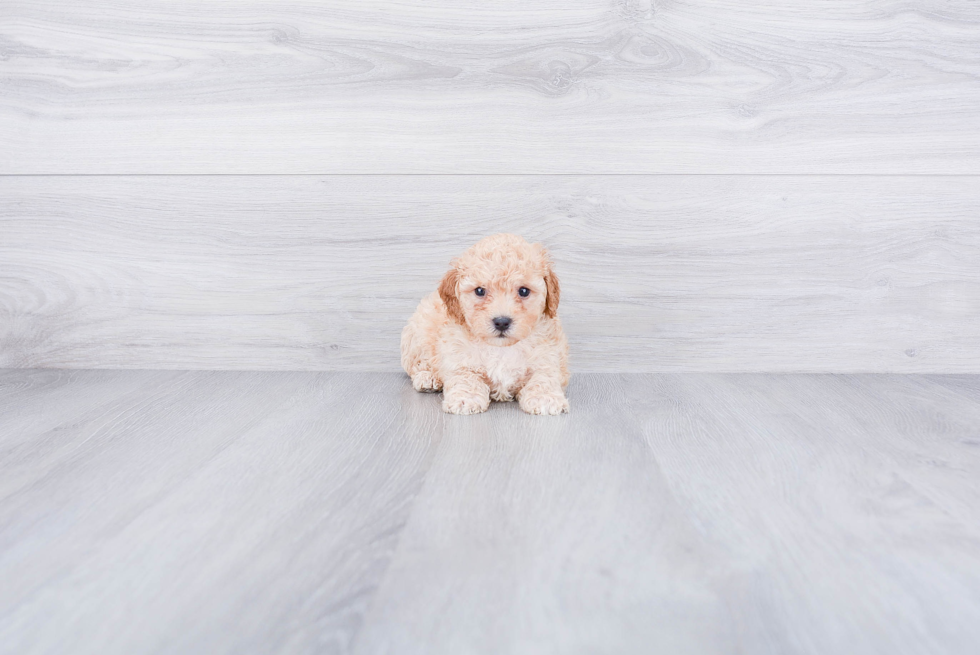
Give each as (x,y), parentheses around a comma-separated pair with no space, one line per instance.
(881,175)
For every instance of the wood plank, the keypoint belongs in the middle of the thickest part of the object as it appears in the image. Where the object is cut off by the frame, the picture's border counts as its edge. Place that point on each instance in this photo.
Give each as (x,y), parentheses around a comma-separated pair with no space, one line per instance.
(258,512)
(844,499)
(752,273)
(549,536)
(461,86)
(697,513)
(215,512)
(37,405)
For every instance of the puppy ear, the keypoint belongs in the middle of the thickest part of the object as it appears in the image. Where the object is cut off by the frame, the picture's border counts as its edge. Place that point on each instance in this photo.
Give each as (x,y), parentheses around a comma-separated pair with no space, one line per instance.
(554,293)
(447,291)
(550,282)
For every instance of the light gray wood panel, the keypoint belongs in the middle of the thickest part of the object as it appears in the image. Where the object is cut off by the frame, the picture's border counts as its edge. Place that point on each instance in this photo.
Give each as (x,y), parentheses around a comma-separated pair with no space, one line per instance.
(845,501)
(209,513)
(244,512)
(698,513)
(453,86)
(548,536)
(45,402)
(763,273)
(43,399)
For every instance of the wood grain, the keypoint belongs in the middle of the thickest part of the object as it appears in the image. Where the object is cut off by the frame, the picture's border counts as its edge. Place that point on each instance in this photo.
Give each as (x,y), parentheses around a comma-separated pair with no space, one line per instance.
(549,537)
(777,273)
(249,512)
(204,512)
(838,500)
(461,86)
(698,513)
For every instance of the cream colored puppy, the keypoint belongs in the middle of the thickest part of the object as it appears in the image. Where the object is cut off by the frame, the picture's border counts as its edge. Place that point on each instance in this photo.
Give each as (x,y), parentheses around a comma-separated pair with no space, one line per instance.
(491,331)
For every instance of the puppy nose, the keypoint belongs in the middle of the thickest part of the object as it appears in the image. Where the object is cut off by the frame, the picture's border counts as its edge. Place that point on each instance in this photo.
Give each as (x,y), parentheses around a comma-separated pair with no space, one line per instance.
(502,323)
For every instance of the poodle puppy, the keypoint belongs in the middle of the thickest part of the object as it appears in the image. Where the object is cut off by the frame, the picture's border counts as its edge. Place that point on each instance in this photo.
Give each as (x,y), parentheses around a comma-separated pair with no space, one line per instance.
(491,331)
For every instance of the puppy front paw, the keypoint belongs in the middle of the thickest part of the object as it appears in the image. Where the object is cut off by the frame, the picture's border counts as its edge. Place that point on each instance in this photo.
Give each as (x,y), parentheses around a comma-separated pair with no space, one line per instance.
(541,403)
(465,405)
(426,382)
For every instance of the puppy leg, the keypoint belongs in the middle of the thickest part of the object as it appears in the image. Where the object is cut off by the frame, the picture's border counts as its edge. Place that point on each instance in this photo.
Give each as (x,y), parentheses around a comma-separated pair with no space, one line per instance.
(465,393)
(416,347)
(425,381)
(543,395)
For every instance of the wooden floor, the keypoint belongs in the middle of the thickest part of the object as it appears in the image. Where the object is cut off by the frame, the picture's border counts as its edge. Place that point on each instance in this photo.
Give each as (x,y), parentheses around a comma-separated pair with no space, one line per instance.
(243,512)
(258,187)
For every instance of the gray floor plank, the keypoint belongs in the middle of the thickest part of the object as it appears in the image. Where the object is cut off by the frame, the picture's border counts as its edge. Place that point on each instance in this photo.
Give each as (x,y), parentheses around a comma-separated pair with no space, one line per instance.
(698,513)
(548,536)
(248,512)
(463,86)
(763,273)
(823,493)
(33,402)
(235,512)
(58,430)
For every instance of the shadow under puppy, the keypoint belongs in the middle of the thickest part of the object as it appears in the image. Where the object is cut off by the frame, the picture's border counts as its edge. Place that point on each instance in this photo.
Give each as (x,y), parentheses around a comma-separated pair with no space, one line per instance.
(491,331)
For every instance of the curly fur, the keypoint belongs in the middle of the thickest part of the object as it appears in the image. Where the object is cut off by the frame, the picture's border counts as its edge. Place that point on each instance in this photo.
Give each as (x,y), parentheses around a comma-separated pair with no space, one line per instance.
(451,344)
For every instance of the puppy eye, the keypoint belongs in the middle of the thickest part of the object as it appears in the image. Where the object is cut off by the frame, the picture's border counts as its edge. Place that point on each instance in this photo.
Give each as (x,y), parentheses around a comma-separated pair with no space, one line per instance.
(480,291)
(524,292)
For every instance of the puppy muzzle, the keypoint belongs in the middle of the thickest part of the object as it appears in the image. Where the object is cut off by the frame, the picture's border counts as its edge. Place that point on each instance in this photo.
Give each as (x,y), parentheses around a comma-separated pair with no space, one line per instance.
(502,324)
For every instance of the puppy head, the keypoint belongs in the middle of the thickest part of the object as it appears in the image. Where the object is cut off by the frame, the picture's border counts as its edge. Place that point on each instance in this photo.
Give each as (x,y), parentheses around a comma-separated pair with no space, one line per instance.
(500,288)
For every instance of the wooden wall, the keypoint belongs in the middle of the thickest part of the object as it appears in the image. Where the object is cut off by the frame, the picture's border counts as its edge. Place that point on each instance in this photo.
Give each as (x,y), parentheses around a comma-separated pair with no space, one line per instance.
(725,185)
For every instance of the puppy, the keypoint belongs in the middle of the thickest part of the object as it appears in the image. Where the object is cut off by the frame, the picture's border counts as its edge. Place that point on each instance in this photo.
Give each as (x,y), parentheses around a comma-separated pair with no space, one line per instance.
(491,331)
